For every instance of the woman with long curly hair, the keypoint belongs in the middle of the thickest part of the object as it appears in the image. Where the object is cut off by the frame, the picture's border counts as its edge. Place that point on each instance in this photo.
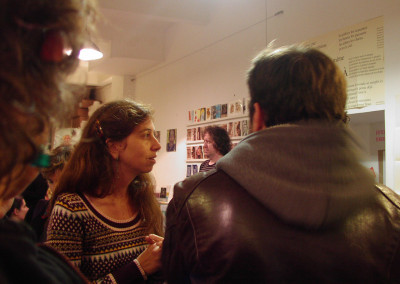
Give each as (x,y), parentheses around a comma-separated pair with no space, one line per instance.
(105,217)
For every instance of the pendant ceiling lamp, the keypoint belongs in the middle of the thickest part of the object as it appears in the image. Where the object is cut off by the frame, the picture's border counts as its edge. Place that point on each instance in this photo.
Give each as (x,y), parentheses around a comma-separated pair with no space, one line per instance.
(90,51)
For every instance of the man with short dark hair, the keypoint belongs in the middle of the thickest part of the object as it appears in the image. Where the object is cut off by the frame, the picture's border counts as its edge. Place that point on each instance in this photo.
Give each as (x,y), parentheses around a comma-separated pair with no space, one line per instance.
(216,145)
(291,203)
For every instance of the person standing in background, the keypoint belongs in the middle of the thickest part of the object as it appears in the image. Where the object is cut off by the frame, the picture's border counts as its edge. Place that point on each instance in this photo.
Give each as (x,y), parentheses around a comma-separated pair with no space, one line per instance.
(216,144)
(18,210)
(35,191)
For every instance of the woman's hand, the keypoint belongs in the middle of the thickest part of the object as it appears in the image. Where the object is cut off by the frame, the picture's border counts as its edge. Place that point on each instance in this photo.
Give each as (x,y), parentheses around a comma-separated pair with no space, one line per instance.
(150,259)
(154,239)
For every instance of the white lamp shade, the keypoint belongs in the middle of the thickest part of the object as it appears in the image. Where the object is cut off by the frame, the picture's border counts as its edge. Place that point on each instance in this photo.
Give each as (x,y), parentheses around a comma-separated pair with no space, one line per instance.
(90,52)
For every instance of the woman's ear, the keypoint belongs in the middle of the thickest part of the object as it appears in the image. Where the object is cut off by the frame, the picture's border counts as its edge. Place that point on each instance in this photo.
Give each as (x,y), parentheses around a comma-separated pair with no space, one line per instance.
(114,148)
(258,118)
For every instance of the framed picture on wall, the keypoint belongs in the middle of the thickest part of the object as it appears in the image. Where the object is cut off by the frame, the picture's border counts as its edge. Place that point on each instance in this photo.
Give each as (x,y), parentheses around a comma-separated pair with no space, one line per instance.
(162,194)
(245,127)
(218,111)
(208,113)
(224,110)
(171,140)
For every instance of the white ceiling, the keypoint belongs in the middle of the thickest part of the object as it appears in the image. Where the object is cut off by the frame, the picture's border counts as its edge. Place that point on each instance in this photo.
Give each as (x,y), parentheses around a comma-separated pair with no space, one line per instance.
(132,34)
(138,35)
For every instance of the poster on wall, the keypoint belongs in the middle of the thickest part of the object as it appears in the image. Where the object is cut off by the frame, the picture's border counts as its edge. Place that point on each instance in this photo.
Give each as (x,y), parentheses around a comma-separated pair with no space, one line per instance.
(208,113)
(171,140)
(246,105)
(359,52)
(199,152)
(224,110)
(245,127)
(190,116)
(237,129)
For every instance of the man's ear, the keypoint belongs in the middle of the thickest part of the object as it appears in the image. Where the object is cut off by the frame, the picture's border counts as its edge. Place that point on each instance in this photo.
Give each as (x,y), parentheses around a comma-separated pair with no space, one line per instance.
(114,148)
(258,118)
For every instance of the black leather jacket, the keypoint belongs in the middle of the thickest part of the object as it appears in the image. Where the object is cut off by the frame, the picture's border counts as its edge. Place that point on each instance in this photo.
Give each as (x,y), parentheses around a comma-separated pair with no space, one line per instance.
(289,204)
(218,233)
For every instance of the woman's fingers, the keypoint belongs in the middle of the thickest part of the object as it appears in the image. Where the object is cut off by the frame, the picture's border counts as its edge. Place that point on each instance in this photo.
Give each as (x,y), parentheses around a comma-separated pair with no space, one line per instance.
(152,238)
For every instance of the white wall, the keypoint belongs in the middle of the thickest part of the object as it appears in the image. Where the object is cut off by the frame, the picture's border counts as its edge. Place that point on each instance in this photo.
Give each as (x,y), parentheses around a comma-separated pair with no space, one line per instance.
(370,137)
(217,56)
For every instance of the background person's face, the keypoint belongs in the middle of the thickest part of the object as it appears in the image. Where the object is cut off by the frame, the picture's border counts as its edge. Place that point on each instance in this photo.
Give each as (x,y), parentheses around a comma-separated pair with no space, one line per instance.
(21,213)
(208,148)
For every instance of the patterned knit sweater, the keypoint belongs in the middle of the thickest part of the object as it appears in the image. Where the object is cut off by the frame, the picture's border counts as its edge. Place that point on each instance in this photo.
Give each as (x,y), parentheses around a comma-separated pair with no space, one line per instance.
(102,248)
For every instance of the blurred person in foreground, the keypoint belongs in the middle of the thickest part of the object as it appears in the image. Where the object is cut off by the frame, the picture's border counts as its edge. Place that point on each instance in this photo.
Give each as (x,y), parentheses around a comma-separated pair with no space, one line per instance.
(216,144)
(40,43)
(291,203)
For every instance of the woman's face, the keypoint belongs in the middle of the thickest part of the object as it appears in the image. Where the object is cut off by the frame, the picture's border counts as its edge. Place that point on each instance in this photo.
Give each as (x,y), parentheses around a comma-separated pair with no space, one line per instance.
(139,150)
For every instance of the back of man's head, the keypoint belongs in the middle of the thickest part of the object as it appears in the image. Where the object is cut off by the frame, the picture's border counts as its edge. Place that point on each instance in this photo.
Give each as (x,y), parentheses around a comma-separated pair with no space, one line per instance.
(296,83)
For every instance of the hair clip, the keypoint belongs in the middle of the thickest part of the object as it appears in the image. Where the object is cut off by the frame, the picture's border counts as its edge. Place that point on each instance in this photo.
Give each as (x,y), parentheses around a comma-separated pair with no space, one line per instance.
(54,46)
(99,130)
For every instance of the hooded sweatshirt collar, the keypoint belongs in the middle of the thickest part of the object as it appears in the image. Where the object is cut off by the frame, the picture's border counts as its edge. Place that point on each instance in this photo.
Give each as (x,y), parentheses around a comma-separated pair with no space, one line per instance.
(308,174)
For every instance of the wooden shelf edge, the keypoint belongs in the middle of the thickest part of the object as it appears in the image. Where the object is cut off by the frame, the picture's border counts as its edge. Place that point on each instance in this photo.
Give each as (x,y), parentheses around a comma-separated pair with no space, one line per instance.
(366,109)
(212,121)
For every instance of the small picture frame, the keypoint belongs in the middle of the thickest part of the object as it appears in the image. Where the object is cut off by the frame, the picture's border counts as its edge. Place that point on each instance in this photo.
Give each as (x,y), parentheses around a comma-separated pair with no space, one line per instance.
(171,140)
(163,193)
